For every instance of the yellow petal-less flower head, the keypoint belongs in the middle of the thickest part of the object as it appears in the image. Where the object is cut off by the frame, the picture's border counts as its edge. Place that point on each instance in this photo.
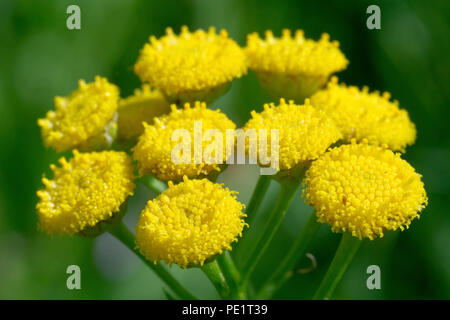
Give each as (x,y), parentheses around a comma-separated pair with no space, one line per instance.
(84,119)
(304,132)
(365,190)
(191,66)
(189,223)
(293,67)
(361,114)
(157,149)
(144,105)
(87,189)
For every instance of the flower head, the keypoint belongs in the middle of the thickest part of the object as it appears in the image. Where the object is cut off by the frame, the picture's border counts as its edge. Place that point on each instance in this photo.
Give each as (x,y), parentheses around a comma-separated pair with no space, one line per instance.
(304,132)
(144,105)
(156,151)
(189,223)
(84,191)
(363,115)
(365,190)
(191,66)
(293,67)
(81,116)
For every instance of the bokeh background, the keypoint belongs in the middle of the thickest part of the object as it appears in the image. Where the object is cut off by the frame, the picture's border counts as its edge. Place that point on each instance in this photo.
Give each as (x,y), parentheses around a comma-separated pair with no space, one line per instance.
(41,58)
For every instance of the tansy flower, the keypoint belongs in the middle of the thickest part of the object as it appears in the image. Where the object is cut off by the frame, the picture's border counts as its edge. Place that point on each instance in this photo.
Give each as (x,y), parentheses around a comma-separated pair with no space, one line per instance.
(189,223)
(191,66)
(304,132)
(364,190)
(144,105)
(291,66)
(87,189)
(84,119)
(156,151)
(361,114)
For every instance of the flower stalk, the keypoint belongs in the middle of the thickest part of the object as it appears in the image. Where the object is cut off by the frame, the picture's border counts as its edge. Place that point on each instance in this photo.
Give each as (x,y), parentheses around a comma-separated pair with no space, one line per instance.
(262,185)
(287,190)
(153,183)
(233,276)
(344,255)
(124,235)
(214,273)
(296,252)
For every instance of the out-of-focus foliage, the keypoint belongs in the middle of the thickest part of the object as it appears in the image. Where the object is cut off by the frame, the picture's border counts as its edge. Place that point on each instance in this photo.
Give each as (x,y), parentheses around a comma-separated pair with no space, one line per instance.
(41,58)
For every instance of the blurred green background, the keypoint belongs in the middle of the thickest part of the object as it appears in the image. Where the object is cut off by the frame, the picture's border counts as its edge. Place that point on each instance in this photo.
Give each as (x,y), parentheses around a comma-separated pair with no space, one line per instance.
(41,58)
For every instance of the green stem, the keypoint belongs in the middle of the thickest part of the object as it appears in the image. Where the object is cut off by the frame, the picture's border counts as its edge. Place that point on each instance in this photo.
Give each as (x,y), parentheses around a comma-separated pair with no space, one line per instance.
(285,269)
(345,252)
(124,235)
(257,197)
(153,184)
(260,190)
(232,275)
(285,196)
(214,273)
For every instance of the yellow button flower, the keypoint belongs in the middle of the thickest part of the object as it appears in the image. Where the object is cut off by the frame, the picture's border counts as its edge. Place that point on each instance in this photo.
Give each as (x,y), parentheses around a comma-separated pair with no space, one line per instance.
(154,150)
(84,119)
(191,66)
(84,191)
(144,105)
(363,115)
(304,132)
(291,66)
(189,223)
(364,190)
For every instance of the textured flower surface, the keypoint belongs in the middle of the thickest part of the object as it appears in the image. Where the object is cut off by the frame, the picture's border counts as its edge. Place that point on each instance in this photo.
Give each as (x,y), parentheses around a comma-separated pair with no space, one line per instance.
(189,223)
(304,132)
(153,151)
(363,115)
(85,190)
(197,61)
(82,115)
(144,105)
(365,190)
(294,55)
(293,67)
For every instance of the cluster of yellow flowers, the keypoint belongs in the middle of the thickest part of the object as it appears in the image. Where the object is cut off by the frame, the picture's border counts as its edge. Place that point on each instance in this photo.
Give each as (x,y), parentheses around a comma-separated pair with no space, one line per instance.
(362,187)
